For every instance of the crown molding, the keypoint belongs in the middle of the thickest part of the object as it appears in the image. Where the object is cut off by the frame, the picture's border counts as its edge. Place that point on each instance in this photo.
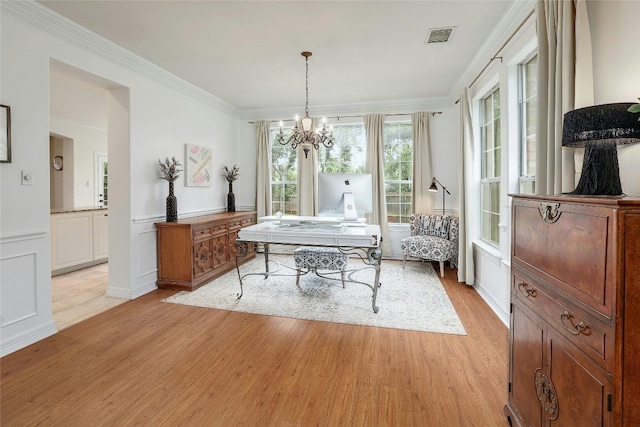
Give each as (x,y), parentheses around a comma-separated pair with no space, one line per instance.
(393,107)
(35,15)
(512,18)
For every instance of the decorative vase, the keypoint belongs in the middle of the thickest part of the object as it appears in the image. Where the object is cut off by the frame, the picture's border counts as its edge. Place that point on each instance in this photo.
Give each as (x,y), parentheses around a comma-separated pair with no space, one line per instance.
(172,205)
(231,199)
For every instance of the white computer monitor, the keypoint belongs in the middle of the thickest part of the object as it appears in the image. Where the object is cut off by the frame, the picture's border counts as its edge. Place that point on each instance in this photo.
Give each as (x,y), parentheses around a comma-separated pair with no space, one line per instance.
(346,195)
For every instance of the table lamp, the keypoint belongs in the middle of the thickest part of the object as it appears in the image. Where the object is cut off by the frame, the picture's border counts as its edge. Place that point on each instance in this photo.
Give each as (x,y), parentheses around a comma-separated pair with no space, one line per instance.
(600,129)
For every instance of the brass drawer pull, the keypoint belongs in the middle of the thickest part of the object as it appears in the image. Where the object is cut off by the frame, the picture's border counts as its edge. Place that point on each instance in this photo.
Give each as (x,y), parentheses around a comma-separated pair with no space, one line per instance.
(530,292)
(549,212)
(574,329)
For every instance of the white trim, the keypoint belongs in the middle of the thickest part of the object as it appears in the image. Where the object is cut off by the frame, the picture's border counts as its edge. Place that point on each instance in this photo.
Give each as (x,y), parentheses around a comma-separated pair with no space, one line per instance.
(22,236)
(492,303)
(516,13)
(25,338)
(491,252)
(42,18)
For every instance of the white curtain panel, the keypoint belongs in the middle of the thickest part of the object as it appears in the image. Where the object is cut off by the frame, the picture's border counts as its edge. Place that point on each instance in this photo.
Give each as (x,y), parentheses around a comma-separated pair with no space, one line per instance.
(307,179)
(558,24)
(374,130)
(422,171)
(466,201)
(263,168)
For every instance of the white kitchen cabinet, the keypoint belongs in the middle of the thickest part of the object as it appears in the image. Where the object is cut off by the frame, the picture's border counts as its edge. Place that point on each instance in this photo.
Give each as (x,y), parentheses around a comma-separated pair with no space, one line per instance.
(78,240)
(100,235)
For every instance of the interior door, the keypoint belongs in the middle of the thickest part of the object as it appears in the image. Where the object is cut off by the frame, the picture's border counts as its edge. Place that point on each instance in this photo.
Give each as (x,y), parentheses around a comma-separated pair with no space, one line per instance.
(102,166)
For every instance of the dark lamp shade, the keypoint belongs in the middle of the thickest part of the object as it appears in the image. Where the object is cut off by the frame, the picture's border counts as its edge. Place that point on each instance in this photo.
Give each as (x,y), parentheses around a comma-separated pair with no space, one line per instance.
(600,129)
(433,187)
(607,122)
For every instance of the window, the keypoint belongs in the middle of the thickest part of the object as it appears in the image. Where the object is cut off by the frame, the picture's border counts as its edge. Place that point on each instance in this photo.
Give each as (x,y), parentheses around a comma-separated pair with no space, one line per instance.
(348,155)
(284,174)
(490,171)
(528,92)
(398,171)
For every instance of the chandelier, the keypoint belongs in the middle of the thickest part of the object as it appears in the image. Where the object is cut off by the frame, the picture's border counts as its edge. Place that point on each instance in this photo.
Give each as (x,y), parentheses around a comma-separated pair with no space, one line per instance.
(303,134)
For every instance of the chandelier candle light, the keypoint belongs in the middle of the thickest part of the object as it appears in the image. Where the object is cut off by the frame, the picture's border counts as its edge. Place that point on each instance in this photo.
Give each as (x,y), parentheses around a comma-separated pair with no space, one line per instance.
(303,134)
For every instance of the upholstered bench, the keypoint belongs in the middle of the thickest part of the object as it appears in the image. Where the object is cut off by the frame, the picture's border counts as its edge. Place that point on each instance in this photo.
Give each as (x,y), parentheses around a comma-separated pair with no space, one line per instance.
(314,258)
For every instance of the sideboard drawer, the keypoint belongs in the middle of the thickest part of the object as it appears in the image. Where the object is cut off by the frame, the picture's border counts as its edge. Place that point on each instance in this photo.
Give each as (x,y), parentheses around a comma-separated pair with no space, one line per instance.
(569,245)
(202,233)
(582,329)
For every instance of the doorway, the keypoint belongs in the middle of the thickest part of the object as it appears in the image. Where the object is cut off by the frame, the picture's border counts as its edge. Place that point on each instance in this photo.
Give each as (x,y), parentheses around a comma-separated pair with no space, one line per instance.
(80,111)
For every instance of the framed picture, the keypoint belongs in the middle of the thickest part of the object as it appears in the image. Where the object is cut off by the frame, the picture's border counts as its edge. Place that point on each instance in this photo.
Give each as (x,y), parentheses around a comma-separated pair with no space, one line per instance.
(5,134)
(198,166)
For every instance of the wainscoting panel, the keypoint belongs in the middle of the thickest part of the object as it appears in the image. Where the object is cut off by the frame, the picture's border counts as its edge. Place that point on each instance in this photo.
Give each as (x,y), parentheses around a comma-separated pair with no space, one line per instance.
(25,286)
(18,280)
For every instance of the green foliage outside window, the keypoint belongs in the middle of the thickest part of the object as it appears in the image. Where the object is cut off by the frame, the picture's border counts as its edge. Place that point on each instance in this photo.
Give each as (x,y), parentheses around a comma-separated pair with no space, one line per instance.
(348,155)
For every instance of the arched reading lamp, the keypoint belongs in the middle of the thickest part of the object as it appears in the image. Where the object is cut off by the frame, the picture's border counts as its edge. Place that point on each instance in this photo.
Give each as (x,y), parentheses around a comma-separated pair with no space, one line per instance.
(434,189)
(600,129)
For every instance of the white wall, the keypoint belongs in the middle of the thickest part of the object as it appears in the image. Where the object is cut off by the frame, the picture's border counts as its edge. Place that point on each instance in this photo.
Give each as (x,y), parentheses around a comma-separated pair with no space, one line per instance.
(156,115)
(615,41)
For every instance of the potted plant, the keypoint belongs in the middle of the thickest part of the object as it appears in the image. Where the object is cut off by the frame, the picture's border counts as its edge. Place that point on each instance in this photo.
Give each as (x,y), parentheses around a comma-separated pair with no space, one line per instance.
(170,171)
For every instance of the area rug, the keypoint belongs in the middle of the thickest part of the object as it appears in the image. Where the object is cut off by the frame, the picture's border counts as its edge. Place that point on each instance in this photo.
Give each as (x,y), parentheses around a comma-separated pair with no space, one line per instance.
(411,298)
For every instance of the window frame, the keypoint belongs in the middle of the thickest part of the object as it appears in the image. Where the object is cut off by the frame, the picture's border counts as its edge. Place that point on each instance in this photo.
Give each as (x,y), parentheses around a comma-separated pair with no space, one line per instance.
(526,181)
(404,203)
(486,182)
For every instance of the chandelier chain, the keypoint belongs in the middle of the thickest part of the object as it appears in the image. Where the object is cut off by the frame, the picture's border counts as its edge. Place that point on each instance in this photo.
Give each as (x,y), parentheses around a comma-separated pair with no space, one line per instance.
(306,102)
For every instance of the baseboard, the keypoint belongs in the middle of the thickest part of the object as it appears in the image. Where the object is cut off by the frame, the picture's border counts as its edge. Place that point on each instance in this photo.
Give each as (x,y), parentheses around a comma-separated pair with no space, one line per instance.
(492,303)
(27,338)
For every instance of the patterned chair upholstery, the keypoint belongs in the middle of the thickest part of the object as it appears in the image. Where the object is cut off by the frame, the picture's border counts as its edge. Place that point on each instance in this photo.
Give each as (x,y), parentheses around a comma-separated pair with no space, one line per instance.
(314,258)
(433,238)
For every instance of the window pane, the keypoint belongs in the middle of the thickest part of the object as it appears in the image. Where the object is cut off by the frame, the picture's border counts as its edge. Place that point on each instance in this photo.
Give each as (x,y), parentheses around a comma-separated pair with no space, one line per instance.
(491,161)
(284,176)
(398,167)
(528,111)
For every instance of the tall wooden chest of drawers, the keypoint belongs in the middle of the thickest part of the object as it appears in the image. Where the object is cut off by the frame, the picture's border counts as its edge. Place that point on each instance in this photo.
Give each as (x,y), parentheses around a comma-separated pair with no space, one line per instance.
(575,311)
(194,251)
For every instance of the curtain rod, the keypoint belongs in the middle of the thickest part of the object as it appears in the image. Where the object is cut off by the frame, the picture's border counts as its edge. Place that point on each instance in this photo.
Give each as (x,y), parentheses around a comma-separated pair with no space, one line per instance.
(495,56)
(433,113)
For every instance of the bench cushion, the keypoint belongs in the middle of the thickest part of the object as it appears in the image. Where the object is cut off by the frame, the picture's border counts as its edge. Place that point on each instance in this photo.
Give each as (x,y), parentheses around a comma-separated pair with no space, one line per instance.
(319,258)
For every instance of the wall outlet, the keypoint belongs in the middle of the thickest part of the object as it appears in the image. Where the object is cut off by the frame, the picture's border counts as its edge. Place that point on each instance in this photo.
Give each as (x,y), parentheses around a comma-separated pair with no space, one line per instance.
(27,178)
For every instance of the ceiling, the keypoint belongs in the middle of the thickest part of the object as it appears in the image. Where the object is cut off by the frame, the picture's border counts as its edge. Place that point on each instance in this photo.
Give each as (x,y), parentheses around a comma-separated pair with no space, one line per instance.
(247,53)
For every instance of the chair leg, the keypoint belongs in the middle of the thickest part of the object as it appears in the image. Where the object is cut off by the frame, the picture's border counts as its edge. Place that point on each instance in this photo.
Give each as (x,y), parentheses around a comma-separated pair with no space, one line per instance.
(442,268)
(342,276)
(404,259)
(298,277)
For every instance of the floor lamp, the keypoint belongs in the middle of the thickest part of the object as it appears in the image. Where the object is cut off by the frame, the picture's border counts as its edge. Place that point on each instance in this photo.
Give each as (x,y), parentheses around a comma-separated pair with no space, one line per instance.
(434,189)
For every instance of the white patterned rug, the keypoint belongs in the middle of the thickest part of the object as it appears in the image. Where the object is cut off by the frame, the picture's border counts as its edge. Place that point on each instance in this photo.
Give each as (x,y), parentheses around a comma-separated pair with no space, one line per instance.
(412,298)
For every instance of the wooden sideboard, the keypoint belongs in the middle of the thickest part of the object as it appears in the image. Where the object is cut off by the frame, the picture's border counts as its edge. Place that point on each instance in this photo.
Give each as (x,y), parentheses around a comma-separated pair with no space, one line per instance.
(575,312)
(194,251)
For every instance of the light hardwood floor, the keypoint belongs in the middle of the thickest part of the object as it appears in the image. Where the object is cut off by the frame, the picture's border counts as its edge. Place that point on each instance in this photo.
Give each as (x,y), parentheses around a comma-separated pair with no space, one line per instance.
(146,362)
(81,294)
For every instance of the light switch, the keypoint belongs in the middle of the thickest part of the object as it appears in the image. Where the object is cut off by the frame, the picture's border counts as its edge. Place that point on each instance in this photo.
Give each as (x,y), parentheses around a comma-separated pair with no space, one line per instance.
(27,178)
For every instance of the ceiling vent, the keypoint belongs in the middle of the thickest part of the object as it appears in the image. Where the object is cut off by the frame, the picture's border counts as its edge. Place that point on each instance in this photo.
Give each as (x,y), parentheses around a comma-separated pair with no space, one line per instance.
(439,35)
